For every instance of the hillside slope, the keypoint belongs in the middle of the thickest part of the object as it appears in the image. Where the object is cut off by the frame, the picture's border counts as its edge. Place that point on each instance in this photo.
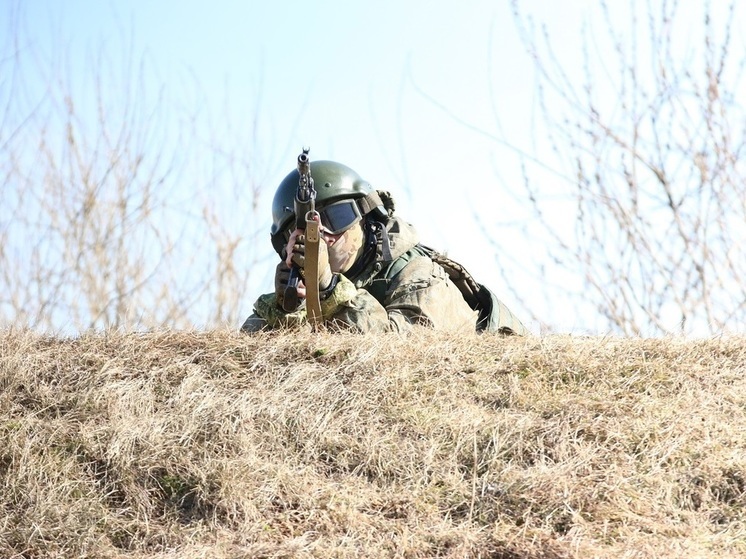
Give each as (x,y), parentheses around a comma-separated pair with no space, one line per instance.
(180,444)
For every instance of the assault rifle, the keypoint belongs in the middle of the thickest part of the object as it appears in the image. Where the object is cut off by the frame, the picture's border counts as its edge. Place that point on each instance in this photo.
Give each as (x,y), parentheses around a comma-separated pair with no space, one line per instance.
(305,212)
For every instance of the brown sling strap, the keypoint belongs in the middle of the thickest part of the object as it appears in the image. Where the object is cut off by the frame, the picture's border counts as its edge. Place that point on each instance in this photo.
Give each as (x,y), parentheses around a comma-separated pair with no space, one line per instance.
(311,270)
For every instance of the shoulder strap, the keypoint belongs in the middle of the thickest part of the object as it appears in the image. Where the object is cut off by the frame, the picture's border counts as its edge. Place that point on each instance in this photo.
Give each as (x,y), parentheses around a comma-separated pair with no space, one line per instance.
(380,283)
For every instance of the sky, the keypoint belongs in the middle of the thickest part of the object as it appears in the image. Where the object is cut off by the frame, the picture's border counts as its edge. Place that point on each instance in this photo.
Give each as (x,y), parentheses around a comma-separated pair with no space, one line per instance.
(430,100)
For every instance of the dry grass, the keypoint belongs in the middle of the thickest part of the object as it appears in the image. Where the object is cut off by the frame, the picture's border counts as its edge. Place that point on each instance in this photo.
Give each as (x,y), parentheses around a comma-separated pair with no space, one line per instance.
(224,445)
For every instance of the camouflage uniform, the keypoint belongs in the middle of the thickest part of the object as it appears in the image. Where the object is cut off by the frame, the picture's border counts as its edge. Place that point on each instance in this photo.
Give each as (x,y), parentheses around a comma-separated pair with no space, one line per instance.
(400,286)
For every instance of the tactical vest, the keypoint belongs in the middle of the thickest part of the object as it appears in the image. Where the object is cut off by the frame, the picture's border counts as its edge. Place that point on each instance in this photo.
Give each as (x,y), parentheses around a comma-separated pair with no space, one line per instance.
(494,316)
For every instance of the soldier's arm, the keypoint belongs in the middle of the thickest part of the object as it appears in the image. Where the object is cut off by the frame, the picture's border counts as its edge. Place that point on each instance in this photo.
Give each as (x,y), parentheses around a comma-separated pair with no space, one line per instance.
(421,294)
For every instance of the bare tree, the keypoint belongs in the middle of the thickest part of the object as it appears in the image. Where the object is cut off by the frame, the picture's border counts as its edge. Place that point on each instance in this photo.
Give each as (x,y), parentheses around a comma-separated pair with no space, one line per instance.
(651,140)
(119,206)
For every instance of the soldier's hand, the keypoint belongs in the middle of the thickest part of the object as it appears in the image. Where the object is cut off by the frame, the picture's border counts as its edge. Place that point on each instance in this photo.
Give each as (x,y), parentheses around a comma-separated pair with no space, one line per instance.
(296,254)
(282,275)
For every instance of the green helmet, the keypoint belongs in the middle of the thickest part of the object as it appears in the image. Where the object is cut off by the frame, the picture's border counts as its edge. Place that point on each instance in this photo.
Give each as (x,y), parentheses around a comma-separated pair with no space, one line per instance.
(333,182)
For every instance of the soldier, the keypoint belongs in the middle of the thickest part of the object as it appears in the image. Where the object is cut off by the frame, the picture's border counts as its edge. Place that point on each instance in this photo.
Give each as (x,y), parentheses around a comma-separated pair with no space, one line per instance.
(373,274)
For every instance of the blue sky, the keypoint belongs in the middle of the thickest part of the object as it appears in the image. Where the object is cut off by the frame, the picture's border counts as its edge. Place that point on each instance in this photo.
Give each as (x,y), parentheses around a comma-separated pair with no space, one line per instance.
(423,98)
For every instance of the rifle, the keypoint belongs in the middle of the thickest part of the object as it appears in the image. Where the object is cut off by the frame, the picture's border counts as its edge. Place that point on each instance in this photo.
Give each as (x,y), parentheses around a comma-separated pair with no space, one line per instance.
(305,211)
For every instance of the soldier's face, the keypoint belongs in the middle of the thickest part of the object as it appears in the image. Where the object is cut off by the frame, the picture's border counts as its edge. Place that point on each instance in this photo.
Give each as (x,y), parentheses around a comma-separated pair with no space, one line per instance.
(344,248)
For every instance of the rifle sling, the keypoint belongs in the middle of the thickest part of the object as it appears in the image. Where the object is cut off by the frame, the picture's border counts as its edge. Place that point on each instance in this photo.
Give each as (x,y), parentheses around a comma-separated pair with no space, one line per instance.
(311,272)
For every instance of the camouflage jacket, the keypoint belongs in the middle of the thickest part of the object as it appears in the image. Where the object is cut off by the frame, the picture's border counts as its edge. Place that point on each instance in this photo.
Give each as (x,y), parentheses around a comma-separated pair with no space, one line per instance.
(404,284)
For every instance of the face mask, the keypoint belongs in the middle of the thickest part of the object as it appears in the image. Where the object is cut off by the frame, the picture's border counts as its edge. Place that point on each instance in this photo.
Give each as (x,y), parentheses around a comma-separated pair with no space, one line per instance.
(344,249)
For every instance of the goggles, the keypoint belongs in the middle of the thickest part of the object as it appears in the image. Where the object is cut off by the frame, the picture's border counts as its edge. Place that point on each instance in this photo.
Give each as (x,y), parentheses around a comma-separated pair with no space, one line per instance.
(335,218)
(340,216)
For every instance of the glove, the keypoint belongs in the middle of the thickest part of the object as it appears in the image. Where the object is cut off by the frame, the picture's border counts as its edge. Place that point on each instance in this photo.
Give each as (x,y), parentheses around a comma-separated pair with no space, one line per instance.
(282,275)
(297,255)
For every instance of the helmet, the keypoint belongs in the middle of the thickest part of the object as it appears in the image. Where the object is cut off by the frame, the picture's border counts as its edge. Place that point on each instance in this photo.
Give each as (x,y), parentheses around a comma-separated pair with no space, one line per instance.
(333,182)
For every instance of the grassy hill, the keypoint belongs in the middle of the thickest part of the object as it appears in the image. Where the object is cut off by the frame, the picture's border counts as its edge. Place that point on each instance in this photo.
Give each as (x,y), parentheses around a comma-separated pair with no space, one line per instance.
(222,445)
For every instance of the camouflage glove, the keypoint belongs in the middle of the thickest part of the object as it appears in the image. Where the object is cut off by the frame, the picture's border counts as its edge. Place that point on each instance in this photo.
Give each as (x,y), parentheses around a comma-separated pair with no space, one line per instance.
(298,257)
(282,274)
